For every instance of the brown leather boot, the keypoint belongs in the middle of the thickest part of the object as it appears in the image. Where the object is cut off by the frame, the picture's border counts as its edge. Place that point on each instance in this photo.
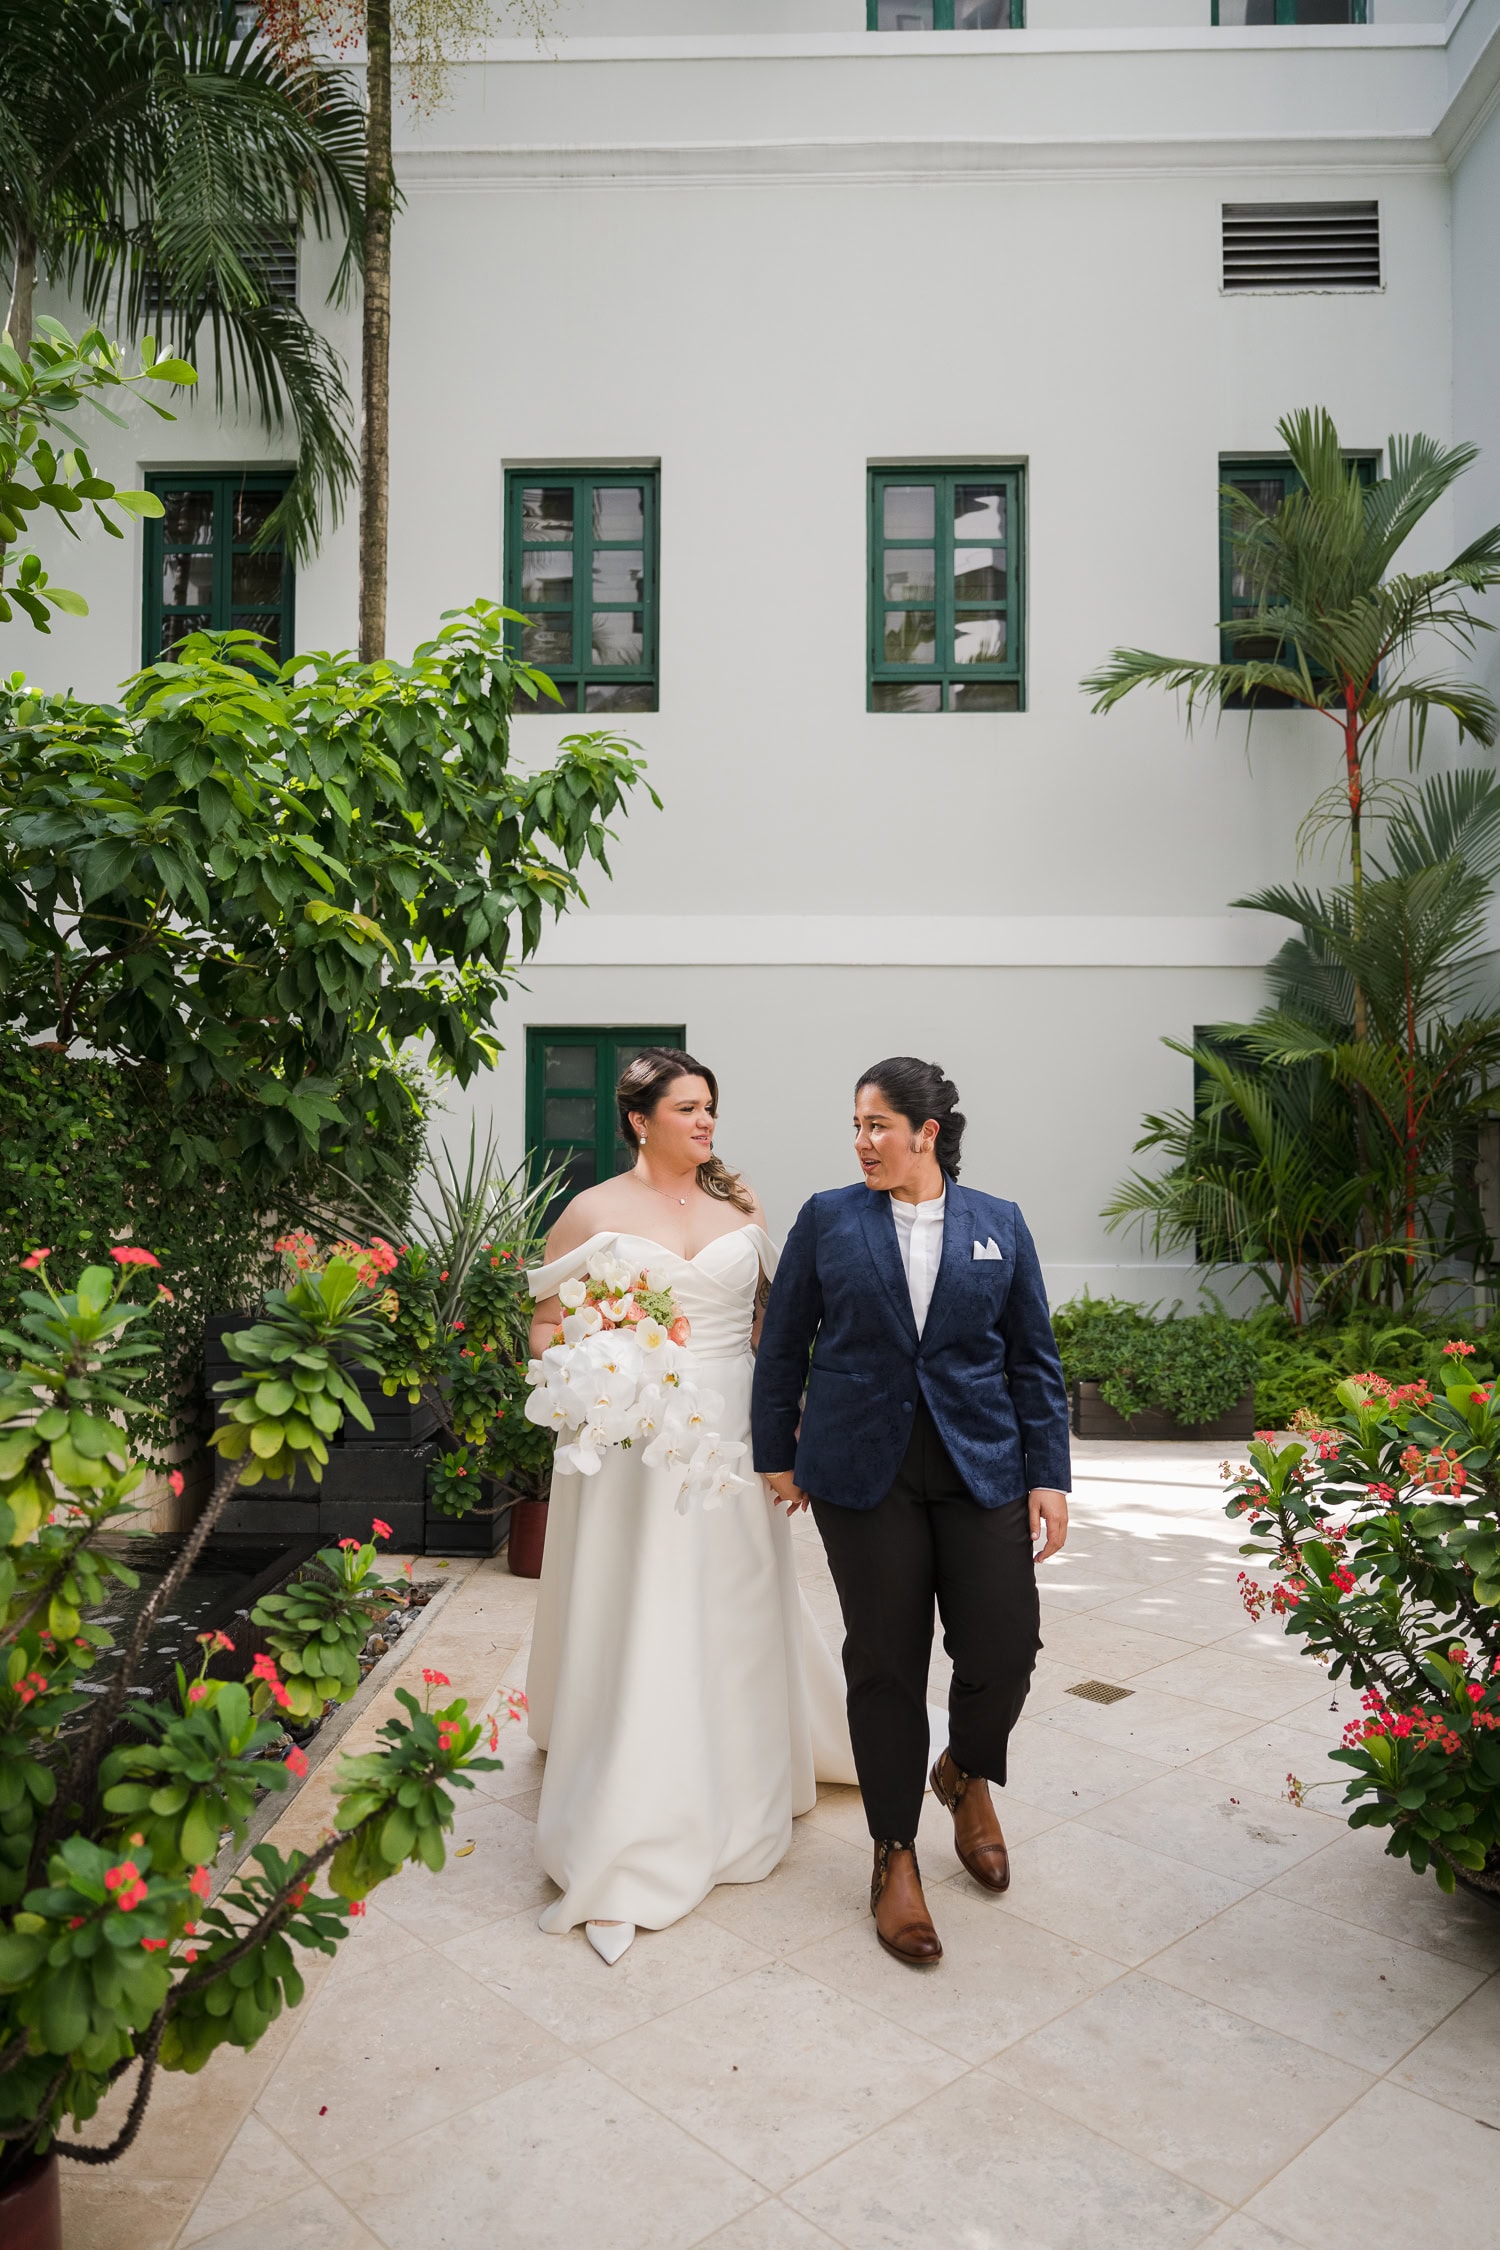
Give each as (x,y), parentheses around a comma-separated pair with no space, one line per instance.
(977,1836)
(902,1922)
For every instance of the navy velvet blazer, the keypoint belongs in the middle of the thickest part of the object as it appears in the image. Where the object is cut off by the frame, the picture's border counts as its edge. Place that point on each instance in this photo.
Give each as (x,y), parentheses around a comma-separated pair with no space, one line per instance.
(986,1362)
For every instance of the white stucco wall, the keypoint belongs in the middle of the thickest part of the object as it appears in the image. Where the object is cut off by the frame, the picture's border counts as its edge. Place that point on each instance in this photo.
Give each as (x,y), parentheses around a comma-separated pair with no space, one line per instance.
(767,270)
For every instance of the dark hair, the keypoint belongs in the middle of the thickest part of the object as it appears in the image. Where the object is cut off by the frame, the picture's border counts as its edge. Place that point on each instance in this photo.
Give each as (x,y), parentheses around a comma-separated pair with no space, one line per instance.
(916,1091)
(645,1080)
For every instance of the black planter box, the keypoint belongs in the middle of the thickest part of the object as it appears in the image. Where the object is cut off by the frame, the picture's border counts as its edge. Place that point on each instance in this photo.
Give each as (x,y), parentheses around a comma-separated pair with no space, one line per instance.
(265,1509)
(479,1533)
(1092,1418)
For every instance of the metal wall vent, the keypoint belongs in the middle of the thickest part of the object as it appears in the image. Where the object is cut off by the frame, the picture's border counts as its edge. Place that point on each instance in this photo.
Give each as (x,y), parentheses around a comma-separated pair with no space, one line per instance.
(1100,1691)
(1301,246)
(274,268)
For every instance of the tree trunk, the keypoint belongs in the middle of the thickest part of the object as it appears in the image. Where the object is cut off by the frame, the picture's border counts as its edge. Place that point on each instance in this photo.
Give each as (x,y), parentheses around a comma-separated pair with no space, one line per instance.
(374,492)
(1354,781)
(19,320)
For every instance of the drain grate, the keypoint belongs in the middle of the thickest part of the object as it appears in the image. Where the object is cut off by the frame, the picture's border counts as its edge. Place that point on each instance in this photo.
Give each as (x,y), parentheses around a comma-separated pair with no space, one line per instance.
(1100,1691)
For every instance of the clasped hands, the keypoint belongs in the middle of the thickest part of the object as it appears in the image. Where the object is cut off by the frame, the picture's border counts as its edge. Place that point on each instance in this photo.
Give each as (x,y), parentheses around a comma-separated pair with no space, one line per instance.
(1048,1510)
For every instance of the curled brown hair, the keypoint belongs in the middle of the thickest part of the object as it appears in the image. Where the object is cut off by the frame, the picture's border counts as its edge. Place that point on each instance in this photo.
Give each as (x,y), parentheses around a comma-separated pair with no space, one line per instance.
(643,1083)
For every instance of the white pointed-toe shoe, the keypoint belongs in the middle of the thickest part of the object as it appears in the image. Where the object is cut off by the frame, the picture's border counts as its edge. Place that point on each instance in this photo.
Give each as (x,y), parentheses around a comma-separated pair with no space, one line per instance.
(610,1939)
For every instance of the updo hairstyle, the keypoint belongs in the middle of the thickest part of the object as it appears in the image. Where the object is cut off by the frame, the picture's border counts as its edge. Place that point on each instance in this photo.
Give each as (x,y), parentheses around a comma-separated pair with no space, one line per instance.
(916,1091)
(643,1083)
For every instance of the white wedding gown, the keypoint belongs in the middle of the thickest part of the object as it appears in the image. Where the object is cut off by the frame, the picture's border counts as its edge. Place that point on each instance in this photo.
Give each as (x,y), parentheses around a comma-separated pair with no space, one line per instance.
(686,1700)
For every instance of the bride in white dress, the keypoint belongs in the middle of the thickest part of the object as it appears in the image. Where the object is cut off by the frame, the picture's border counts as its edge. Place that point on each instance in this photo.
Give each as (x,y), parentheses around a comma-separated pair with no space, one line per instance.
(686,1700)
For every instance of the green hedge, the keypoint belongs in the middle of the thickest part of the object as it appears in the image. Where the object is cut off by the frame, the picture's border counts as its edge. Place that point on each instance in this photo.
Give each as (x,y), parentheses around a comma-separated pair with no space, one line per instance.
(80,1149)
(1197,1366)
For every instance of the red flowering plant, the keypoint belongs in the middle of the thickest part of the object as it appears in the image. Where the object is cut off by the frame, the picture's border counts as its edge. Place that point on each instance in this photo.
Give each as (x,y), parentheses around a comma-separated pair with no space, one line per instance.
(1381,1534)
(116,1956)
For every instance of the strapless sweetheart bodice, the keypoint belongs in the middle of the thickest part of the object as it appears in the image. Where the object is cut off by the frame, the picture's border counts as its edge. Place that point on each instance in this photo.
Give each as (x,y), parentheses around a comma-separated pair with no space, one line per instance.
(716,1289)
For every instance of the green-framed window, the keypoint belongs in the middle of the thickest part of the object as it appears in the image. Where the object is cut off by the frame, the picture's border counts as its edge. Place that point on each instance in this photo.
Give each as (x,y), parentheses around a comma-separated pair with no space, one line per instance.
(203,570)
(582,563)
(945,15)
(947,589)
(1251,12)
(1268,483)
(571,1074)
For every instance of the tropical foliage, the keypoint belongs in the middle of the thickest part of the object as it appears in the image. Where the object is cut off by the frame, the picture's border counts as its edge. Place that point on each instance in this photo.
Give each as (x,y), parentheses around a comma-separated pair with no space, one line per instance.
(1379,1529)
(114,1953)
(269,880)
(42,464)
(1193,1367)
(153,163)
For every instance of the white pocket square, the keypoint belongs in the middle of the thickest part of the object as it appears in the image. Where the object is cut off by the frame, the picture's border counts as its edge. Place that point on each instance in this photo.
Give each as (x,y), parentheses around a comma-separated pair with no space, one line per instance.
(987,1249)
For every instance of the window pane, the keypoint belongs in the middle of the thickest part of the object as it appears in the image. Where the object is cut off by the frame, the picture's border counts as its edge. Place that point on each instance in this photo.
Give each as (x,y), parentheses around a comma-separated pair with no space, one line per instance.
(188,520)
(580,1173)
(1268,494)
(265,622)
(568,698)
(911,636)
(979,636)
(979,574)
(249,511)
(619,512)
(984,695)
(550,642)
(619,573)
(255,578)
(897,695)
(621,695)
(981,15)
(910,511)
(904,15)
(978,511)
(1325,11)
(1237,12)
(547,512)
(619,636)
(175,629)
(568,1066)
(187,579)
(568,1117)
(909,574)
(547,576)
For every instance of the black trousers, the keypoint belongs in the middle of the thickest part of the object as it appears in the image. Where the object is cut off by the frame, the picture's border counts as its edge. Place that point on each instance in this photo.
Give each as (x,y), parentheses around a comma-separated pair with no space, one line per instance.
(927,1541)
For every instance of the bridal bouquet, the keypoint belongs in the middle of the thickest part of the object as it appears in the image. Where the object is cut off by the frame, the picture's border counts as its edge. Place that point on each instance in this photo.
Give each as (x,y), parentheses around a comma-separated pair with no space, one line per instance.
(616,1374)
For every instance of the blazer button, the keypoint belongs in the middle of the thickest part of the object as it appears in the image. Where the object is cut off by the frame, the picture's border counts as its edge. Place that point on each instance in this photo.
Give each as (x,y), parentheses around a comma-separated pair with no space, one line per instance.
(906,1406)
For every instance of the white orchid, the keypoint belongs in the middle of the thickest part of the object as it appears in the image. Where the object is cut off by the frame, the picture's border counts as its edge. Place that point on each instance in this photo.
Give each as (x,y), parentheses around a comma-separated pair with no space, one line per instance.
(587,1321)
(615,1275)
(615,1308)
(586,1452)
(550,1409)
(571,1295)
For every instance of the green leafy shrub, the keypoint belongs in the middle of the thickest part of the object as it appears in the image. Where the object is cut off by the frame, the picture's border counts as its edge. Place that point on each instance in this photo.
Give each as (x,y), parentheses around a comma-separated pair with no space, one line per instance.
(112,1959)
(1380,1530)
(1192,1367)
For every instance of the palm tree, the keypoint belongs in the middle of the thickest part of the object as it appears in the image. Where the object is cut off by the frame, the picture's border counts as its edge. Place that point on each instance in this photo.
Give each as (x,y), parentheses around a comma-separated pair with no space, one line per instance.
(150,161)
(1343,636)
(423,38)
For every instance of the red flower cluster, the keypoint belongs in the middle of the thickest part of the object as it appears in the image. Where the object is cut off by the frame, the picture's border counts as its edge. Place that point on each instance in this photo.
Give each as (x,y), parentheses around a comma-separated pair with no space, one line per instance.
(1440,1470)
(1456,1350)
(379,1530)
(1343,1578)
(447,1734)
(213,1642)
(436,1679)
(153,1945)
(134,1258)
(1394,1394)
(1384,1493)
(29,1265)
(200,1883)
(31,1686)
(264,1669)
(125,1884)
(295,1762)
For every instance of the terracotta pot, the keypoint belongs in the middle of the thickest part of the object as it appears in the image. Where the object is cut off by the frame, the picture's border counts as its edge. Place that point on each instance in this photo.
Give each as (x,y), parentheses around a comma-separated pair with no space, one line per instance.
(31,2208)
(528,1535)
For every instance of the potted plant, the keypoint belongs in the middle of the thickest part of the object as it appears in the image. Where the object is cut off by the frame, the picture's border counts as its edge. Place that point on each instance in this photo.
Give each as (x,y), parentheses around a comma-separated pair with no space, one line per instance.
(1131,1374)
(115,1958)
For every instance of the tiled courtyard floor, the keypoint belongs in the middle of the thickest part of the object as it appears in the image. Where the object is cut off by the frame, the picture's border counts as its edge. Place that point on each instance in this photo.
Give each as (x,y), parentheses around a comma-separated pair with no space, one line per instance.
(1199,2016)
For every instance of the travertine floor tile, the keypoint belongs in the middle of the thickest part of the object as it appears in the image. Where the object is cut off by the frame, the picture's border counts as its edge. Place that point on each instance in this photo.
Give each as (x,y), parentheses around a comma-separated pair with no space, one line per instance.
(1115,1897)
(1202,2092)
(776,2072)
(102,2210)
(258,2169)
(1262,1759)
(1394,2171)
(312,2220)
(561,1983)
(1184,1609)
(566,2162)
(1240,2233)
(498,1877)
(1331,1984)
(1459,2063)
(1355,1878)
(384,2053)
(1095,1649)
(1066,1773)
(1169,1729)
(979,2164)
(1189,1815)
(820,1885)
(1000,1977)
(770,2226)
(1235,1683)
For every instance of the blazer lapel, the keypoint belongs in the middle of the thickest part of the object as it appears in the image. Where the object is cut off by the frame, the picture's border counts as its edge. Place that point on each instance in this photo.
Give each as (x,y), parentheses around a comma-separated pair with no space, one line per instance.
(885,1251)
(958,1249)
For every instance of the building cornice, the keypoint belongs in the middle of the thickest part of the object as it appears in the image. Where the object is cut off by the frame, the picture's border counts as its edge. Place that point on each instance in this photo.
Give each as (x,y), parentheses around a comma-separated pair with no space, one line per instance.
(953,941)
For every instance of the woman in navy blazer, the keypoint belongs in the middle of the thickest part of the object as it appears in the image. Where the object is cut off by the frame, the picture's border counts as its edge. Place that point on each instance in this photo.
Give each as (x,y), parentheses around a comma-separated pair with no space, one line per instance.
(914,1398)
